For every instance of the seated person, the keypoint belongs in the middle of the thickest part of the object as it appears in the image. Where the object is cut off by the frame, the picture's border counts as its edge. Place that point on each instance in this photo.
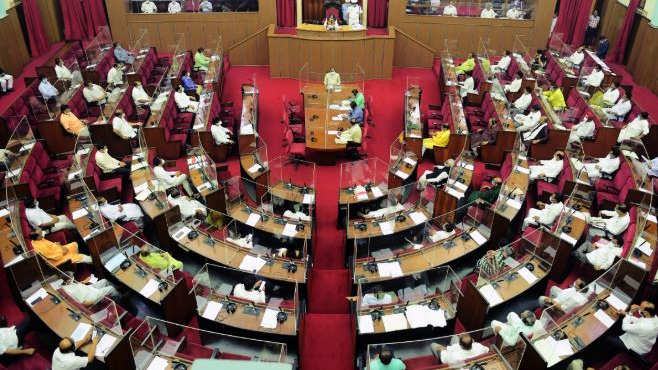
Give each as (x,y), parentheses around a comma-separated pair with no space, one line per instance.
(6,82)
(188,207)
(601,255)
(527,122)
(64,357)
(460,352)
(539,60)
(653,166)
(640,326)
(159,260)
(122,55)
(55,253)
(331,23)
(538,135)
(606,99)
(438,176)
(487,194)
(595,78)
(566,299)
(332,80)
(468,65)
(584,129)
(380,213)
(188,83)
(486,136)
(515,325)
(11,339)
(296,213)
(467,86)
(71,123)
(555,98)
(521,104)
(121,212)
(577,58)
(149,7)
(201,61)
(619,111)
(244,242)
(359,99)
(488,11)
(62,72)
(549,168)
(174,7)
(601,166)
(184,102)
(636,129)
(115,75)
(544,214)
(122,128)
(612,223)
(94,94)
(354,14)
(494,261)
(140,97)
(352,135)
(386,361)
(515,13)
(47,90)
(515,85)
(446,231)
(90,294)
(109,164)
(379,298)
(170,179)
(355,114)
(220,134)
(38,218)
(251,289)
(450,10)
(503,63)
(205,6)
(439,139)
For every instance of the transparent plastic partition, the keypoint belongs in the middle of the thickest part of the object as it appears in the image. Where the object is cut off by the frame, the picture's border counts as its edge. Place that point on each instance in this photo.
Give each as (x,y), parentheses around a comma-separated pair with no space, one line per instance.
(216,67)
(20,143)
(515,186)
(636,155)
(244,193)
(457,113)
(484,53)
(555,43)
(522,55)
(82,152)
(438,352)
(585,71)
(75,81)
(499,96)
(413,126)
(645,235)
(400,159)
(202,169)
(363,184)
(159,98)
(11,228)
(85,212)
(249,118)
(292,186)
(179,53)
(97,48)
(426,298)
(140,45)
(214,286)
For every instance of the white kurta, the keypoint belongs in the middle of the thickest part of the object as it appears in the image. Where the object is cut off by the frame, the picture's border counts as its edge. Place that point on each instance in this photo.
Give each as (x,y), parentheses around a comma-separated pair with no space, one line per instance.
(454,354)
(604,255)
(488,13)
(450,10)
(383,212)
(140,96)
(615,224)
(93,293)
(619,110)
(640,333)
(8,339)
(440,235)
(184,102)
(503,64)
(354,15)
(106,162)
(523,102)
(528,121)
(301,216)
(583,129)
(610,96)
(93,94)
(607,165)
(594,79)
(63,73)
(174,7)
(255,295)
(467,87)
(514,326)
(569,298)
(47,90)
(188,207)
(635,129)
(245,242)
(129,212)
(372,300)
(220,134)
(531,135)
(547,216)
(149,7)
(115,76)
(514,86)
(551,168)
(124,127)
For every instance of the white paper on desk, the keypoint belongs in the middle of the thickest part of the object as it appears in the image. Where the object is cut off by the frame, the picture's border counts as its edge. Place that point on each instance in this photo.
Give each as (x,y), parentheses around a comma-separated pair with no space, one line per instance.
(418,217)
(4,212)
(546,347)
(604,318)
(513,203)
(253,219)
(72,175)
(337,118)
(563,348)
(511,262)
(246,129)
(334,106)
(389,269)
(254,168)
(454,193)
(376,192)
(195,166)
(386,227)
(401,175)
(80,331)
(79,213)
(150,288)
(643,246)
(491,295)
(204,186)
(417,316)
(410,161)
(332,132)
(366,325)
(396,321)
(105,344)
(15,260)
(437,318)
(198,126)
(180,234)
(83,151)
(41,293)
(290,230)
(468,167)
(616,302)
(651,218)
(212,310)
(638,263)
(457,185)
(269,319)
(309,199)
(158,363)
(527,275)
(521,169)
(141,187)
(143,195)
(477,237)
(578,214)
(138,166)
(567,238)
(252,264)
(361,195)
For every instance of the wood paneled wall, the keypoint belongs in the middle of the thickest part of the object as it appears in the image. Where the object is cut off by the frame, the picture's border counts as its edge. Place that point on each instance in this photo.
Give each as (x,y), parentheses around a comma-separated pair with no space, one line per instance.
(51,16)
(15,55)
(643,52)
(409,52)
(433,30)
(252,51)
(289,53)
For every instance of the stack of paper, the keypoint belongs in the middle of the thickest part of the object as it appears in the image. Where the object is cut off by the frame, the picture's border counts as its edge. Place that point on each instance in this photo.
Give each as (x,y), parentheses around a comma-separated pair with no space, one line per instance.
(457,185)
(79,213)
(366,325)
(410,161)
(420,316)
(527,275)
(36,296)
(309,199)
(514,203)
(361,193)
(389,269)
(269,319)
(604,318)
(546,347)
(616,302)
(454,193)
(290,230)
(376,191)
(180,234)
(150,288)
(72,175)
(158,363)
(401,175)
(143,195)
(104,345)
(491,295)
(387,227)
(394,322)
(644,246)
(521,169)
(252,264)
(80,331)
(212,310)
(254,168)
(418,217)
(115,262)
(477,237)
(253,219)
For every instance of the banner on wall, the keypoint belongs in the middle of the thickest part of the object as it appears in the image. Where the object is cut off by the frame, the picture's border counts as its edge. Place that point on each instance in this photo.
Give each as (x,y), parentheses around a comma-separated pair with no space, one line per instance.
(649,10)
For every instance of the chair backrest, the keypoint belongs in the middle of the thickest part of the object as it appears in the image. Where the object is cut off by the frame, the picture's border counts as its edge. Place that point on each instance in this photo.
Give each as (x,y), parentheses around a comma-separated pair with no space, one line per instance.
(289,139)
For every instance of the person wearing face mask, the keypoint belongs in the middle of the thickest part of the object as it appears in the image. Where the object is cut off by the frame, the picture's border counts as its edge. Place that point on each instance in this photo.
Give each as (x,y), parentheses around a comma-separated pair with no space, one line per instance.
(640,327)
(140,97)
(566,299)
(90,294)
(54,252)
(548,168)
(94,94)
(184,102)
(109,164)
(601,166)
(170,179)
(446,231)
(636,129)
(122,127)
(601,255)
(188,83)
(115,75)
(609,222)
(332,80)
(38,218)
(121,212)
(159,260)
(64,357)
(460,352)
(527,324)
(174,7)
(515,85)
(468,65)
(584,129)
(47,90)
(577,58)
(437,176)
(544,214)
(251,289)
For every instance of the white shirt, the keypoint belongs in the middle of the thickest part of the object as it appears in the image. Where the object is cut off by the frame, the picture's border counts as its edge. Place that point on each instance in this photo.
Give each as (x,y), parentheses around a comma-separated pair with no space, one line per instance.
(550,212)
(593,21)
(68,361)
(188,207)
(129,212)
(37,216)
(174,7)
(514,86)
(577,57)
(615,224)
(8,339)
(514,13)
(488,13)
(382,212)
(532,134)
(440,235)
(372,300)
(584,129)
(528,122)
(95,93)
(621,108)
(297,215)
(514,326)
(570,298)
(503,63)
(604,255)
(115,76)
(205,6)
(255,295)
(636,128)
(450,10)
(125,129)
(640,333)
(47,90)
(609,164)
(523,102)
(594,79)
(454,354)
(220,134)
(164,176)
(139,94)
(62,72)
(106,162)
(83,293)
(182,100)
(611,95)
(468,86)
(149,7)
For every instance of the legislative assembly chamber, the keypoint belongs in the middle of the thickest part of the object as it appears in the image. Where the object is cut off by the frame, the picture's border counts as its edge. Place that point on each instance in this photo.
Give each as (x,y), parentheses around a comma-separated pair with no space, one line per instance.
(328,184)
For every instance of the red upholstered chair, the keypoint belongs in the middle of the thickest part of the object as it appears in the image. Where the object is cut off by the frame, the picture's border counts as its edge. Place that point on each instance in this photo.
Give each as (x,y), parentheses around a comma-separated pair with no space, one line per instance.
(558,186)
(296,150)
(608,200)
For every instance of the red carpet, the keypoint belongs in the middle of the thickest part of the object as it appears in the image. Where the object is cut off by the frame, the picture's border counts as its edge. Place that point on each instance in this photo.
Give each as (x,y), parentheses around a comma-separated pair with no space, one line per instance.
(328,290)
(327,342)
(641,95)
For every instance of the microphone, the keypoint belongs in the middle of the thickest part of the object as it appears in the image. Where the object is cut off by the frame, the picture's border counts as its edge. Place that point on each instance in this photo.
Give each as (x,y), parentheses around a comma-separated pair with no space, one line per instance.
(141,272)
(74,315)
(507,196)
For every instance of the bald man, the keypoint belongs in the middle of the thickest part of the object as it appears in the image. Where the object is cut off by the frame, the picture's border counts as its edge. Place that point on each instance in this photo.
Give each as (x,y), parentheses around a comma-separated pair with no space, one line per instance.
(64,357)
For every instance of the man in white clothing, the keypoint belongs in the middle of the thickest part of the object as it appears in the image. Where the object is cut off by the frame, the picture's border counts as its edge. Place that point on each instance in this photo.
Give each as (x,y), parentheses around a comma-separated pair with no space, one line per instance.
(601,255)
(458,353)
(595,78)
(447,231)
(149,7)
(188,207)
(636,129)
(503,63)
(527,122)
(38,218)
(382,212)
(90,294)
(577,57)
(544,214)
(332,80)
(170,179)
(220,134)
(122,127)
(115,75)
(467,86)
(94,93)
(437,176)
(549,168)
(514,13)
(619,110)
(140,97)
(251,289)
(607,165)
(12,337)
(610,96)
(64,357)
(121,212)
(378,298)
(584,129)
(174,7)
(640,326)
(450,10)
(354,14)
(488,11)
(614,223)
(523,102)
(566,299)
(515,85)
(63,73)
(47,90)
(6,81)
(527,324)
(185,102)
(109,164)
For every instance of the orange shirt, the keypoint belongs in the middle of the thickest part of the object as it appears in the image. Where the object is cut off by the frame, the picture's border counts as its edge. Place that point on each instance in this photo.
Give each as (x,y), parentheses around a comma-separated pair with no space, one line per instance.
(71,123)
(54,252)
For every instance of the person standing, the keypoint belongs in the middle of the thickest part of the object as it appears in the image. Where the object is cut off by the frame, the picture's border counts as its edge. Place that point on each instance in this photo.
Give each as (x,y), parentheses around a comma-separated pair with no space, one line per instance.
(592,26)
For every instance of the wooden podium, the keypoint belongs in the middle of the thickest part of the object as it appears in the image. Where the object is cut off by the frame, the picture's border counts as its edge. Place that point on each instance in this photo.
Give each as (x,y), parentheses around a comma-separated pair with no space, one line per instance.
(317,31)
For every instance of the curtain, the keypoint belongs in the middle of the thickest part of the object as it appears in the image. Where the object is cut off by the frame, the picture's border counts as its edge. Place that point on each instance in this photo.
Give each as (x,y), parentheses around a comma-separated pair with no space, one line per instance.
(285,13)
(95,13)
(75,24)
(34,26)
(572,20)
(377,13)
(617,55)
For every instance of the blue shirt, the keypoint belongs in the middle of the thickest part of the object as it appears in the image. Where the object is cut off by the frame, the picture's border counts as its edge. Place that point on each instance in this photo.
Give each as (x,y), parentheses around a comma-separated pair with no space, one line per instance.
(188,83)
(356,114)
(345,7)
(123,56)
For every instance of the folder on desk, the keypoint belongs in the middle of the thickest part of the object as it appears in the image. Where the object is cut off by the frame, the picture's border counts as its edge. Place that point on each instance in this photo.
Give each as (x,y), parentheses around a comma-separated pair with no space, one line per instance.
(212,310)
(394,322)
(252,264)
(366,325)
(115,262)
(491,295)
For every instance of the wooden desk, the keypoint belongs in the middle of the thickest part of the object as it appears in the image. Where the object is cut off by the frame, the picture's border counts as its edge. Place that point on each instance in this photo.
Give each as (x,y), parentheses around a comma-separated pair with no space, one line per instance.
(349,204)
(204,182)
(517,180)
(11,242)
(403,170)
(272,225)
(510,284)
(648,233)
(293,194)
(260,177)
(152,207)
(83,223)
(445,199)
(318,31)
(413,137)
(390,309)
(570,79)
(449,76)
(374,231)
